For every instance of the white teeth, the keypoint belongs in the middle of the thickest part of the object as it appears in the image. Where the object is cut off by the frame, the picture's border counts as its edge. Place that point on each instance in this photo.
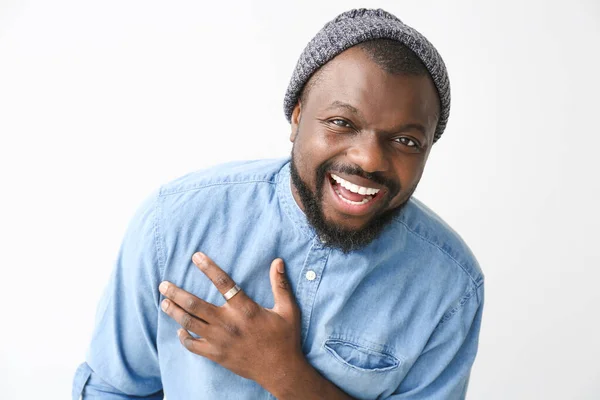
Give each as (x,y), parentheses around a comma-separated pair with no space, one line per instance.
(353,187)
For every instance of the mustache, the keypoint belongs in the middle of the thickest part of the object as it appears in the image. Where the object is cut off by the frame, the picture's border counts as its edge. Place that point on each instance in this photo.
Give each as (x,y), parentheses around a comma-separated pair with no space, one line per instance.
(392,186)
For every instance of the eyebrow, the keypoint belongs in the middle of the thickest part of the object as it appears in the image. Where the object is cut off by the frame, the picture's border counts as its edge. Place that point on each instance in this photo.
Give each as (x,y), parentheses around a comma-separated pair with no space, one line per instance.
(341,104)
(417,127)
(354,110)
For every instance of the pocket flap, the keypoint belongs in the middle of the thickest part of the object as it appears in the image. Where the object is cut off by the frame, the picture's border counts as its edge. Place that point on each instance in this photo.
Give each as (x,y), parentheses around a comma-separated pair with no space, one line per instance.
(363,357)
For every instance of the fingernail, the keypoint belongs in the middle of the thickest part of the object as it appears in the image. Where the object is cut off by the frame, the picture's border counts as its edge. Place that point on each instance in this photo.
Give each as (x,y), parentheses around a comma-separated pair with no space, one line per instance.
(280,266)
(179,332)
(164,305)
(198,257)
(163,287)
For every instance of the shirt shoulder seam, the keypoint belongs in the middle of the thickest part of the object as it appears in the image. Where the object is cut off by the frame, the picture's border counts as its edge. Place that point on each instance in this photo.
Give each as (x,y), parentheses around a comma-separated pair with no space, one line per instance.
(158,239)
(468,295)
(164,192)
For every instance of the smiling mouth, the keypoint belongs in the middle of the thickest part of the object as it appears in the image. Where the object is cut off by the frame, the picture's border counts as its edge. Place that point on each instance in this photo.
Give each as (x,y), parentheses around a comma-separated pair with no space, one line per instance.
(351,193)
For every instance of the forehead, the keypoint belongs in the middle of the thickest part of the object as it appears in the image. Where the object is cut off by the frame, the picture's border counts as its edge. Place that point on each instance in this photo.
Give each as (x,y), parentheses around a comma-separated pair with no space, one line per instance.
(380,97)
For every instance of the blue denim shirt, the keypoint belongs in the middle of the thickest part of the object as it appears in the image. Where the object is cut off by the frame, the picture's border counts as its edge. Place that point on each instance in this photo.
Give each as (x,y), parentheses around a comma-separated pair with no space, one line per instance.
(398,319)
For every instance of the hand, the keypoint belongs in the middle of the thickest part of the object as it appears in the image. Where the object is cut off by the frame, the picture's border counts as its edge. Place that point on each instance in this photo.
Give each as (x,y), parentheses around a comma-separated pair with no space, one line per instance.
(254,342)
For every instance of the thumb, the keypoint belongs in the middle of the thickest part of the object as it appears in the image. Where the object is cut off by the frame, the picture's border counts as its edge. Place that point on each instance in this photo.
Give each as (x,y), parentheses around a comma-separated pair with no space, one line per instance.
(285,305)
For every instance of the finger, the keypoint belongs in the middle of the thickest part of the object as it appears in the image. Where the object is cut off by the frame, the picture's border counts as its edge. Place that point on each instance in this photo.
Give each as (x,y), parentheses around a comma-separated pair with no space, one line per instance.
(198,346)
(186,320)
(219,278)
(190,303)
(285,305)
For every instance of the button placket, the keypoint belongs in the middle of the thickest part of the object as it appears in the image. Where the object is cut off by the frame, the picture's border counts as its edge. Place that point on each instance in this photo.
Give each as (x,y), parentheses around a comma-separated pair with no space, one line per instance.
(308,285)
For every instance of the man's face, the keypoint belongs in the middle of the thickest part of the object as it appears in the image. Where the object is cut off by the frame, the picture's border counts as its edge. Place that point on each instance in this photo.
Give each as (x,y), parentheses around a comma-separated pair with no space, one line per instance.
(361,140)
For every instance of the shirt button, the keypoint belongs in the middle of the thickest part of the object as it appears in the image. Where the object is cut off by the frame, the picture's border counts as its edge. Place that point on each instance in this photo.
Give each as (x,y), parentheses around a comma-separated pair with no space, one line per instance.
(311,275)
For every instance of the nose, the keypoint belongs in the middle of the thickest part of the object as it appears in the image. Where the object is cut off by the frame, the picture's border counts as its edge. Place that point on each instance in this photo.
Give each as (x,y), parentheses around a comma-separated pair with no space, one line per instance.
(368,153)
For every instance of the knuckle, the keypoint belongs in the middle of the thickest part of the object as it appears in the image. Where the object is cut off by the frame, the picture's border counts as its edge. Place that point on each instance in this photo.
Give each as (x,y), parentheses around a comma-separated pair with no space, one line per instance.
(187,321)
(191,304)
(284,284)
(222,280)
(250,310)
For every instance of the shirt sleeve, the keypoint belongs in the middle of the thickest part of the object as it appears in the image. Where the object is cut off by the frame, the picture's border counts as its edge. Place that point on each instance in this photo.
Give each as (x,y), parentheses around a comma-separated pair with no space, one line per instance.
(122,359)
(442,370)
(87,385)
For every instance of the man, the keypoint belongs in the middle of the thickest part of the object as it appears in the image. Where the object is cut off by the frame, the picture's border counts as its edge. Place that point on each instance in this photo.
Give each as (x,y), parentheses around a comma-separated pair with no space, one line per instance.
(368,295)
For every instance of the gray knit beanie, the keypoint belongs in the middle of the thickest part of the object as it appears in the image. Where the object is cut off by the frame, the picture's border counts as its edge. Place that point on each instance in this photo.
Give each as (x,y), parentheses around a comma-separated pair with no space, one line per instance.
(357,26)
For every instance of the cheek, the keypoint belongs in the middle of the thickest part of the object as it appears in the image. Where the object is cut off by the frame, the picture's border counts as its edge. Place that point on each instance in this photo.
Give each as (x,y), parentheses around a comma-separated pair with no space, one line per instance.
(414,172)
(313,147)
(317,141)
(409,172)
(306,159)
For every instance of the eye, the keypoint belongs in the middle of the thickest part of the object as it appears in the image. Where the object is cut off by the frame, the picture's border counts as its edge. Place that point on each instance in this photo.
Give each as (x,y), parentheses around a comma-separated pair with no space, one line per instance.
(407,142)
(342,123)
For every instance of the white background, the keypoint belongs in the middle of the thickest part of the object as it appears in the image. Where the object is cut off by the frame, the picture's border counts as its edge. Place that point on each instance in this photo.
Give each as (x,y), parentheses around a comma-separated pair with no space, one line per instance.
(101,102)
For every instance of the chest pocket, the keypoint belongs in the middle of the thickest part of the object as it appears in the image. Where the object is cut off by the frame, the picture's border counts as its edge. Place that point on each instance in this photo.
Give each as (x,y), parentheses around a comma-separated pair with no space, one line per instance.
(361,358)
(363,369)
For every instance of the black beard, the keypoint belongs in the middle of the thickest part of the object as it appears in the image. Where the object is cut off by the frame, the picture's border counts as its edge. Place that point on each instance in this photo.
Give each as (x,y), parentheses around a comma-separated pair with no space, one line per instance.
(346,240)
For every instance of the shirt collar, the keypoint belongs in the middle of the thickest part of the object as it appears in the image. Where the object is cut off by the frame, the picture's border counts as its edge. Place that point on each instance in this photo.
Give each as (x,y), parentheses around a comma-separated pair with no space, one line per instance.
(289,205)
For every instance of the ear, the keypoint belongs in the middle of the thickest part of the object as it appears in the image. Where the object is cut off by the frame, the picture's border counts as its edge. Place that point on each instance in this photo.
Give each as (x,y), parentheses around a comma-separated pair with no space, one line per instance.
(295,121)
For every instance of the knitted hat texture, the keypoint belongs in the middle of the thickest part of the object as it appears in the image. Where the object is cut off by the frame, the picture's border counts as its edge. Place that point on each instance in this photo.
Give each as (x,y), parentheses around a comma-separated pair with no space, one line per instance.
(360,25)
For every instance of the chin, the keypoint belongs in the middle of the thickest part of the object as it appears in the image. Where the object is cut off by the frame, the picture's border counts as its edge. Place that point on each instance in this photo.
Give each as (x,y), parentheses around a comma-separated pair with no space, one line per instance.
(348,223)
